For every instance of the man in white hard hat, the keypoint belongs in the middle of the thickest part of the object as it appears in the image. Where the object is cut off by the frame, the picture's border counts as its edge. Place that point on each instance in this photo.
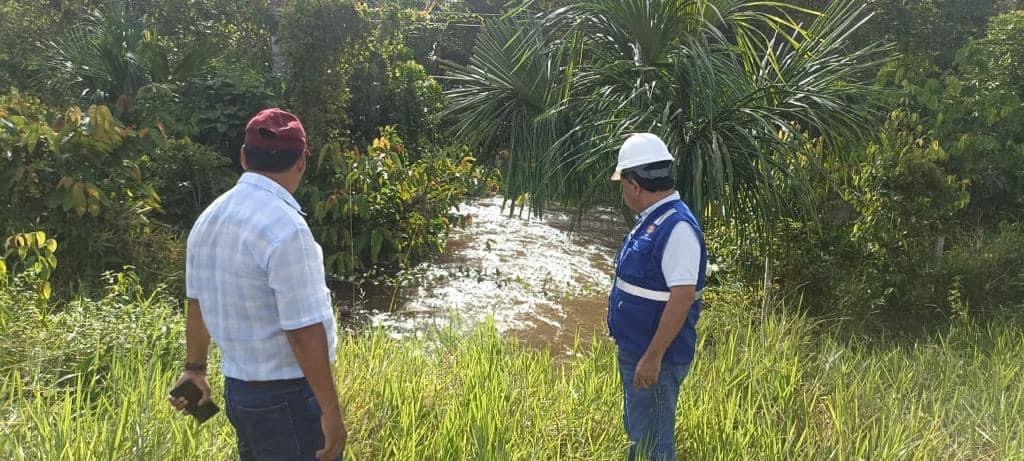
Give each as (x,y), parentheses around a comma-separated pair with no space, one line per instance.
(655,300)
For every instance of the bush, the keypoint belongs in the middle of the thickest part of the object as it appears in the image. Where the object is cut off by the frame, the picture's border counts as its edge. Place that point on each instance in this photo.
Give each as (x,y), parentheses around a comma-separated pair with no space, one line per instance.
(879,241)
(986,268)
(80,178)
(378,209)
(399,94)
(317,41)
(907,204)
(212,112)
(188,177)
(31,255)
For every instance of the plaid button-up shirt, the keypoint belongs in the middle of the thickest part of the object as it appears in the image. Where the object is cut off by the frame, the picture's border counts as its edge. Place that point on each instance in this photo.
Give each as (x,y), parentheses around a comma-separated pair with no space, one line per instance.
(256,271)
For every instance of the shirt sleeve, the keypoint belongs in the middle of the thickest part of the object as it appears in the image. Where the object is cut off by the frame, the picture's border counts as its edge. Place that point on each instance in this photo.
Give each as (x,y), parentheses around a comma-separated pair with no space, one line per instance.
(295,271)
(681,260)
(191,287)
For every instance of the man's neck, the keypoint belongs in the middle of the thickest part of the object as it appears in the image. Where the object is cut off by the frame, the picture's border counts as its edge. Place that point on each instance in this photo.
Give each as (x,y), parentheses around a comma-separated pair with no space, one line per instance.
(282,179)
(656,197)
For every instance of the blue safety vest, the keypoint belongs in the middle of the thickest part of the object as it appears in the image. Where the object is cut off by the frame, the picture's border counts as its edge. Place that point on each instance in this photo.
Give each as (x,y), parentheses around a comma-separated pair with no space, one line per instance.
(639,294)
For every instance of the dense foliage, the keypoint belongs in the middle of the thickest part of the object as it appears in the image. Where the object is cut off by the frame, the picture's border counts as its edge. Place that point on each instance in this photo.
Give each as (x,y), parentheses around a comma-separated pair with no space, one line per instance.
(893,196)
(374,208)
(128,120)
(835,177)
(863,195)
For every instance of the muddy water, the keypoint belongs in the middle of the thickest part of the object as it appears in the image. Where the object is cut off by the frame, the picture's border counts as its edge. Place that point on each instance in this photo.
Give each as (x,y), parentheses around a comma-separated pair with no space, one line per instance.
(540,280)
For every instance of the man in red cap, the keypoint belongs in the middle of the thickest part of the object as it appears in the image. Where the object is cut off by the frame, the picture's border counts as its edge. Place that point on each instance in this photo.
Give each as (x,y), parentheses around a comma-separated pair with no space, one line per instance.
(255,284)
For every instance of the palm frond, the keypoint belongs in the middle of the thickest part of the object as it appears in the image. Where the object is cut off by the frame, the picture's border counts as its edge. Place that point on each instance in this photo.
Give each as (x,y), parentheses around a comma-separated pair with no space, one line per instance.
(733,86)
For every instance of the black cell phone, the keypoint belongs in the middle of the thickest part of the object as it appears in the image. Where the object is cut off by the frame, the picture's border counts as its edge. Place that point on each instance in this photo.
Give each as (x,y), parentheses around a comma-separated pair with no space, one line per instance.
(192,394)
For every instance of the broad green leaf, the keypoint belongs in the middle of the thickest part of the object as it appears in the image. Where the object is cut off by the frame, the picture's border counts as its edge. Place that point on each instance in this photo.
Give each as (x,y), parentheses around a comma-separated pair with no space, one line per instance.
(52,140)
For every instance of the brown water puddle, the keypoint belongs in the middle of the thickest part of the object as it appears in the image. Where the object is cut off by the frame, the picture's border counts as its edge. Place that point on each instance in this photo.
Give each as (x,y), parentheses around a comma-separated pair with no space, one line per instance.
(578,320)
(541,281)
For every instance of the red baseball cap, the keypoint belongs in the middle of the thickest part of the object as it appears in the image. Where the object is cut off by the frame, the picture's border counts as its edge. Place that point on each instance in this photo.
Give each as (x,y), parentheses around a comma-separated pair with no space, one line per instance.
(275,129)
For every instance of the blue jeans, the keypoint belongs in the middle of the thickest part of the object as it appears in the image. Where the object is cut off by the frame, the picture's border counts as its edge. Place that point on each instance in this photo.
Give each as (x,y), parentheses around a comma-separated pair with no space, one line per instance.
(274,420)
(650,414)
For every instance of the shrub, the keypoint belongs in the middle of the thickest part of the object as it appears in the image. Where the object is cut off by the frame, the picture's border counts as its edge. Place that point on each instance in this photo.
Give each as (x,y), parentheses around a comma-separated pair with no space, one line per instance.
(317,40)
(878,242)
(212,112)
(399,94)
(188,177)
(986,267)
(378,209)
(79,177)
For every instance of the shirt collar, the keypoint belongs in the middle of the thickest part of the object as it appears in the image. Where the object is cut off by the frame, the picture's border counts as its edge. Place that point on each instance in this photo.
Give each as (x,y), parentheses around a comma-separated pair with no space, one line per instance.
(650,209)
(271,186)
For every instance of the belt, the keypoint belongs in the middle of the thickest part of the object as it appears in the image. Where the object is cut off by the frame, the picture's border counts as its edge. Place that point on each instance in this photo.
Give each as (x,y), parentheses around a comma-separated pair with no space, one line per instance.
(272,383)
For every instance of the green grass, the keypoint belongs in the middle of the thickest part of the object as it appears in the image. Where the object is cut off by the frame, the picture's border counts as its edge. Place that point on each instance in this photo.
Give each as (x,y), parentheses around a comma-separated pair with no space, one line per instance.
(782,387)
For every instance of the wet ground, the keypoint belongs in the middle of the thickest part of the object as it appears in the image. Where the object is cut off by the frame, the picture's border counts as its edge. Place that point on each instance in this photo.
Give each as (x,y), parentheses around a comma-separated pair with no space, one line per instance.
(541,280)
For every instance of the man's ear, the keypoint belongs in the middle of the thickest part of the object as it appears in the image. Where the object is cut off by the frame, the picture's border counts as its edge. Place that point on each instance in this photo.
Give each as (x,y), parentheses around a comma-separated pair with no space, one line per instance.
(241,159)
(301,164)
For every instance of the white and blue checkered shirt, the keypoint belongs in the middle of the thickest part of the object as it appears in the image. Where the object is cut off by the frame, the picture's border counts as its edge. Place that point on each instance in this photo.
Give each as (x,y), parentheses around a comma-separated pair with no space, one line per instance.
(256,271)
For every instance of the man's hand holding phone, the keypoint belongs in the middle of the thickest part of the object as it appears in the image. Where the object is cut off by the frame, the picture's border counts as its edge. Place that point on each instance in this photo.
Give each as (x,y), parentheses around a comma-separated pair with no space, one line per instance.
(191,394)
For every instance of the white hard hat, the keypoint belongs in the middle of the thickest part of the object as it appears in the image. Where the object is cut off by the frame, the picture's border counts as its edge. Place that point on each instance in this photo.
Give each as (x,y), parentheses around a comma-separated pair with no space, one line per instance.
(640,149)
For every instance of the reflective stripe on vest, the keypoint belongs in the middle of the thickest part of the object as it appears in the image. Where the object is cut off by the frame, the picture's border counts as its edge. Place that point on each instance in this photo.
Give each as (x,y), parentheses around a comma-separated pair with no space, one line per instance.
(653,295)
(664,217)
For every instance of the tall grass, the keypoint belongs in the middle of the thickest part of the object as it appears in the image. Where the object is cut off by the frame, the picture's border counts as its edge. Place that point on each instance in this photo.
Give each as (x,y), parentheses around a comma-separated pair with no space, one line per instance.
(777,387)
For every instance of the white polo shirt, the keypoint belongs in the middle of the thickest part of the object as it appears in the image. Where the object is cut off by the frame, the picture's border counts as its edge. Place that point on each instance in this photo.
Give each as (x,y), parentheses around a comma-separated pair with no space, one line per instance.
(254,267)
(681,260)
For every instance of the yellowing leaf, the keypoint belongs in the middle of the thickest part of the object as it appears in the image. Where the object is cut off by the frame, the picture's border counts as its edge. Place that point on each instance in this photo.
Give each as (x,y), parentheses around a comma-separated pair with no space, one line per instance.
(45,290)
(78,198)
(73,117)
(92,190)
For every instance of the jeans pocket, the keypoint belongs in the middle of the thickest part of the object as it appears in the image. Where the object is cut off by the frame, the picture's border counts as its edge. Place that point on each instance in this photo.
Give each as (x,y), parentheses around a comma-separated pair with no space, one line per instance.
(269,431)
(309,421)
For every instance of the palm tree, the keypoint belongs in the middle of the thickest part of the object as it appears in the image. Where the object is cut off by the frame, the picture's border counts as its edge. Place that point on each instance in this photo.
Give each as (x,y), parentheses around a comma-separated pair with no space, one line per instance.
(733,86)
(110,54)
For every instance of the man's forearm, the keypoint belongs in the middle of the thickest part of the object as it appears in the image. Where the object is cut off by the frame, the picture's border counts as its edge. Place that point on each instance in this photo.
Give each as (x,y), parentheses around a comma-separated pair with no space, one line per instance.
(197,338)
(309,344)
(672,320)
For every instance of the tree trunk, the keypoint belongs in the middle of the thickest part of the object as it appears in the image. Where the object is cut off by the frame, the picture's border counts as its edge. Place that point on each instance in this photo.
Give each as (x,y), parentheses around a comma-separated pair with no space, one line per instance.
(277,61)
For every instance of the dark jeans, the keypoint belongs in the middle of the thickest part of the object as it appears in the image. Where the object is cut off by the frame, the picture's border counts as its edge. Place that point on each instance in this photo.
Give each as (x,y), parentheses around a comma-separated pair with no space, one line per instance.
(650,414)
(274,420)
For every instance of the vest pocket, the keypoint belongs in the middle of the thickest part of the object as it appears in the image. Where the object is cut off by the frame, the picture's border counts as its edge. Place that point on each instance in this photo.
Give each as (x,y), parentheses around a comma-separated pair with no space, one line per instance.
(636,258)
(636,321)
